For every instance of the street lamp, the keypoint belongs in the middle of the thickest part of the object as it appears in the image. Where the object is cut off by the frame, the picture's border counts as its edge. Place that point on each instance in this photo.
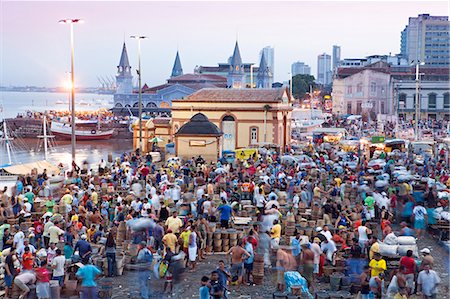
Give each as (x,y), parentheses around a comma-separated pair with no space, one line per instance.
(72,81)
(139,38)
(417,63)
(251,75)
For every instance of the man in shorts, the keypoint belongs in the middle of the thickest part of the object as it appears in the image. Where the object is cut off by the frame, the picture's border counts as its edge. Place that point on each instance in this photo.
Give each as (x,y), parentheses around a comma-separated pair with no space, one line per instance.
(307,258)
(10,271)
(237,257)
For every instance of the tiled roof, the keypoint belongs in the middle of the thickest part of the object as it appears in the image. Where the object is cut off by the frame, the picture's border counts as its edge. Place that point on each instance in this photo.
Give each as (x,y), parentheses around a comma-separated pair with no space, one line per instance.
(269,95)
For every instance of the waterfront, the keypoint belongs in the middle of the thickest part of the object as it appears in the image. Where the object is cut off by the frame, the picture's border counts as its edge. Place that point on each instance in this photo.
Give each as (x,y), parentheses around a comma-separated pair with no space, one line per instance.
(91,151)
(13,102)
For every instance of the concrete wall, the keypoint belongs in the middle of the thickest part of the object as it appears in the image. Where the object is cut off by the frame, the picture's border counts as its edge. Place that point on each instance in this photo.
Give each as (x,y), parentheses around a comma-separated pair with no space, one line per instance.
(185,150)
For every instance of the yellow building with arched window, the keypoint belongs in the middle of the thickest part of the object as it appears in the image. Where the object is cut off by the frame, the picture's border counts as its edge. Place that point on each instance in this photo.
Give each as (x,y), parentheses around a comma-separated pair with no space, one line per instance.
(245,116)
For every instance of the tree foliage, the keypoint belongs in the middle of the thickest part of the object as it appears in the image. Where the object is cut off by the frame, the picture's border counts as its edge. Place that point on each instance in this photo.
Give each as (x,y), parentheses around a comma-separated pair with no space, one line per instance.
(300,85)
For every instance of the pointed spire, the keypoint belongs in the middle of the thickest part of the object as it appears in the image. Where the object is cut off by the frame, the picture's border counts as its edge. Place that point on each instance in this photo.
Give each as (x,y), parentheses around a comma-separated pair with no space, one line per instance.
(124,63)
(236,59)
(177,70)
(262,64)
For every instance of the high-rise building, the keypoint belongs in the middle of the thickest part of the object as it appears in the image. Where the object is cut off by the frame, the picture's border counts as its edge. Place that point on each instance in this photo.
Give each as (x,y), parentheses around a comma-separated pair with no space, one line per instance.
(427,39)
(324,69)
(404,42)
(336,56)
(269,54)
(300,68)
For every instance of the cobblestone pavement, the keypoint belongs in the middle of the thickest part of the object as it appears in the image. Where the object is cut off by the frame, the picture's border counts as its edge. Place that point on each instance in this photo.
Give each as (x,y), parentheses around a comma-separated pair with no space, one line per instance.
(127,286)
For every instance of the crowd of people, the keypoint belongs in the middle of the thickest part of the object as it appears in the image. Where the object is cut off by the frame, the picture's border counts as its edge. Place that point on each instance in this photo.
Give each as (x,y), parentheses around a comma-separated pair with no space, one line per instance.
(183,201)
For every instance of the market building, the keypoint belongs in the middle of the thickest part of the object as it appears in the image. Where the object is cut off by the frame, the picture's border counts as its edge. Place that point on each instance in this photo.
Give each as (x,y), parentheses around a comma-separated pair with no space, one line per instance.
(198,137)
(245,116)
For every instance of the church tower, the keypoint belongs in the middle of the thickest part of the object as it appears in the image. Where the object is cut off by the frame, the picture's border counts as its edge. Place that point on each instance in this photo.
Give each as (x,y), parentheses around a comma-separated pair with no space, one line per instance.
(236,74)
(263,78)
(177,70)
(124,79)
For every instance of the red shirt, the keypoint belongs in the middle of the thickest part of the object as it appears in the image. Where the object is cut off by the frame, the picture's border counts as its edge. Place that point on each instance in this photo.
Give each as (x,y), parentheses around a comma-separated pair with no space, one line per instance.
(27,261)
(42,274)
(409,263)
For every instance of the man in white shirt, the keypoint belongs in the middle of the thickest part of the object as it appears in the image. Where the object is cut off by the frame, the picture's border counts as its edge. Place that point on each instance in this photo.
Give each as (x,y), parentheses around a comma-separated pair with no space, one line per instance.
(58,263)
(428,281)
(329,248)
(176,193)
(21,250)
(145,207)
(19,237)
(326,232)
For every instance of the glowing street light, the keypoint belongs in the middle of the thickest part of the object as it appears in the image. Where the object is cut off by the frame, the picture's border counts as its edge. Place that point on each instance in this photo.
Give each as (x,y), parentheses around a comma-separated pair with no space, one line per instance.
(139,38)
(72,81)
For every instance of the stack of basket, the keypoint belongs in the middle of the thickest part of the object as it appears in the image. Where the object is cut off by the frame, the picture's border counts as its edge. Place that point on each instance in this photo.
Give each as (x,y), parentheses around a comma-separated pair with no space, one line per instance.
(258,269)
(217,241)
(289,229)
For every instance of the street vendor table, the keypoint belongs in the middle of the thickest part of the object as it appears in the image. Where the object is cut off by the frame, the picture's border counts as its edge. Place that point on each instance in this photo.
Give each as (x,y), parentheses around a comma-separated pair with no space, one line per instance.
(443,227)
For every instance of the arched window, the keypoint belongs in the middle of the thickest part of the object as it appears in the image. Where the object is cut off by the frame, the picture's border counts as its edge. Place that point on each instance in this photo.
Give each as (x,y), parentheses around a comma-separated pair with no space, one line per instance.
(136,105)
(253,135)
(228,118)
(118,105)
(151,105)
(432,101)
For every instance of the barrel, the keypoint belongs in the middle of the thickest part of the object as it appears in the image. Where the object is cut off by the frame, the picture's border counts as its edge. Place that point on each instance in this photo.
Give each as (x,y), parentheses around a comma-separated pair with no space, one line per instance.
(233,242)
(225,248)
(226,242)
(296,289)
(335,281)
(105,288)
(322,295)
(217,242)
(55,289)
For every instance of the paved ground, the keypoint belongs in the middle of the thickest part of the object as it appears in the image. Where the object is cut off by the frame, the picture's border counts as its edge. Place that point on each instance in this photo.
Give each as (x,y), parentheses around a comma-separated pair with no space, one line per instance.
(127,286)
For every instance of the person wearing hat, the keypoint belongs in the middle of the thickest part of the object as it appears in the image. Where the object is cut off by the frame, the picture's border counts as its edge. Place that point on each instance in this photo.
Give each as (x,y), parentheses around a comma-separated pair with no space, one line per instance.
(427,259)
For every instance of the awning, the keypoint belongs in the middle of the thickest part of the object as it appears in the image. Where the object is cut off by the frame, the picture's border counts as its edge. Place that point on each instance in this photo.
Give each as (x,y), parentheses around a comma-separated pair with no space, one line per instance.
(23,169)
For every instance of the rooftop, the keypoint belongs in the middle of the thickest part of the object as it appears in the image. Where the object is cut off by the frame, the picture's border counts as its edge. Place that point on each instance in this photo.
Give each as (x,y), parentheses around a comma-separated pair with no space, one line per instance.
(269,95)
(199,125)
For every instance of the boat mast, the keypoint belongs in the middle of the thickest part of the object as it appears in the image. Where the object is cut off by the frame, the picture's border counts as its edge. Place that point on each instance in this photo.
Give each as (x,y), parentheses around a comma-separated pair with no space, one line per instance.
(6,138)
(45,137)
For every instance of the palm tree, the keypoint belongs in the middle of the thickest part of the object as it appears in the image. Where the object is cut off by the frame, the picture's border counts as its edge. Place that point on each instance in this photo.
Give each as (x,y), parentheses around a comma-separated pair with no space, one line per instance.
(266,109)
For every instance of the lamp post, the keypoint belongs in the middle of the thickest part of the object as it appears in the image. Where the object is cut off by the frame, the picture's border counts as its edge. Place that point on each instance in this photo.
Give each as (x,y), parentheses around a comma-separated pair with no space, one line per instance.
(72,82)
(251,75)
(417,63)
(139,38)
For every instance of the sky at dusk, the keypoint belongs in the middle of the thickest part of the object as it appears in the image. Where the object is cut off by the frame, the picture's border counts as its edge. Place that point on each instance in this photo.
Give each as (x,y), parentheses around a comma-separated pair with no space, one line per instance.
(35,48)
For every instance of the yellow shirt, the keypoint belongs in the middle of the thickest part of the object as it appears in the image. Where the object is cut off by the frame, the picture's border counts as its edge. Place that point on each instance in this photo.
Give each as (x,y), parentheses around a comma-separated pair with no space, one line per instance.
(338,181)
(185,237)
(377,267)
(276,231)
(90,234)
(174,224)
(170,240)
(94,197)
(67,199)
(316,192)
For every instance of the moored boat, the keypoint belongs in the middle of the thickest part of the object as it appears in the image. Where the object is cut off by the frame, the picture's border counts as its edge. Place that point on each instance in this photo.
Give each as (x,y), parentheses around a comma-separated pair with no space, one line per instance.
(87,132)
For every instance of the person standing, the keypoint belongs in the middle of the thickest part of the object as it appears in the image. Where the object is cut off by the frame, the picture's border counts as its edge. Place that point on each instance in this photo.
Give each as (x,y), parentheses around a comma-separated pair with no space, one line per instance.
(420,219)
(409,270)
(43,281)
(427,282)
(144,259)
(248,262)
(204,289)
(192,248)
(237,256)
(10,271)
(110,252)
(226,212)
(58,263)
(87,273)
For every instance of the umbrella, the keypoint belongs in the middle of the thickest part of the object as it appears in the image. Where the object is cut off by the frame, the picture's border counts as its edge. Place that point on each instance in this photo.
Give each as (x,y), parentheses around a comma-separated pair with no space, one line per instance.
(156,139)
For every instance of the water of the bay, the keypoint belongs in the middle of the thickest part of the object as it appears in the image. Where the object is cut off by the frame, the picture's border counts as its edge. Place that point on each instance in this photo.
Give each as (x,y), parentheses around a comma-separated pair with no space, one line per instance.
(28,150)
(13,103)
